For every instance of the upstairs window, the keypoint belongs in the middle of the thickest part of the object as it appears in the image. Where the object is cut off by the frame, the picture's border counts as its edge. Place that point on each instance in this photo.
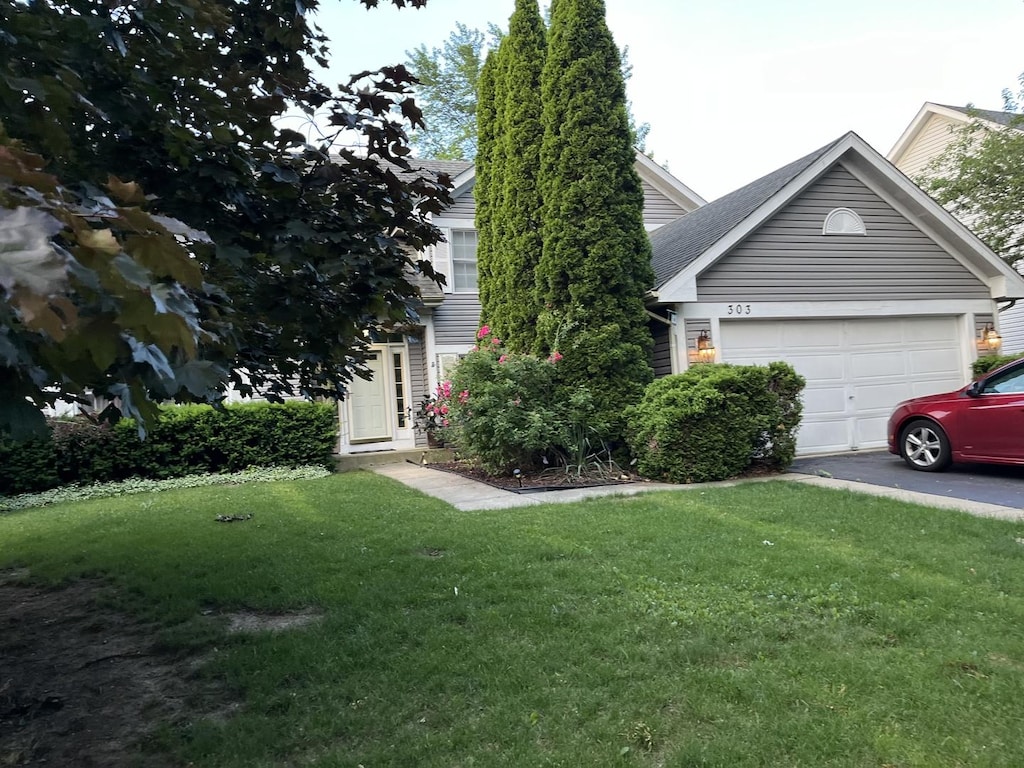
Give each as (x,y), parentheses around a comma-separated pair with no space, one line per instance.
(463,245)
(843,221)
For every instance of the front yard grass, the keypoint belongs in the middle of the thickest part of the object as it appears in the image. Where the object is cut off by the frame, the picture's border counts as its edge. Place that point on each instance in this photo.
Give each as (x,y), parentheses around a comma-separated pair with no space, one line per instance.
(762,625)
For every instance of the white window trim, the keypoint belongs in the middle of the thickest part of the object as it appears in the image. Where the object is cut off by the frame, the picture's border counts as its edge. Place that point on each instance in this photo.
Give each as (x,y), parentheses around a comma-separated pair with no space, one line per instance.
(442,255)
(451,256)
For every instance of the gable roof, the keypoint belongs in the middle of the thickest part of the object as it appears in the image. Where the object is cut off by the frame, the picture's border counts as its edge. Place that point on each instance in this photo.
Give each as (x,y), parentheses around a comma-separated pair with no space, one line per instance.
(957,114)
(685,248)
(1002,118)
(678,243)
(661,179)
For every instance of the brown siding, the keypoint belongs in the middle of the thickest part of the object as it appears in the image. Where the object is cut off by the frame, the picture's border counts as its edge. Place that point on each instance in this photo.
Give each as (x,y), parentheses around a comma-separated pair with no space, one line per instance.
(788,259)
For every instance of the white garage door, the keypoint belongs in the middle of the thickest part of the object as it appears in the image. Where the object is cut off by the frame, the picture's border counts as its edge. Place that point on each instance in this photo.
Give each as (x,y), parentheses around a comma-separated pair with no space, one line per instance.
(856,370)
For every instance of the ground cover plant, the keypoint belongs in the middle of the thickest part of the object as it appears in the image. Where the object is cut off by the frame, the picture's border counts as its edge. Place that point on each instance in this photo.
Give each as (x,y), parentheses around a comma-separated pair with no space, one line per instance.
(766,624)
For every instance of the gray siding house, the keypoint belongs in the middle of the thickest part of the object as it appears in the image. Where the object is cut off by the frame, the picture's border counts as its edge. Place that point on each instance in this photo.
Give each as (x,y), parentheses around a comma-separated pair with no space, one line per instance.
(378,414)
(840,265)
(836,263)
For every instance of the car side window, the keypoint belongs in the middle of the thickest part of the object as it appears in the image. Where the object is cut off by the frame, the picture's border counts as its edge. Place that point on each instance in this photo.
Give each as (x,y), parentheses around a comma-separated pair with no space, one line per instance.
(1006,382)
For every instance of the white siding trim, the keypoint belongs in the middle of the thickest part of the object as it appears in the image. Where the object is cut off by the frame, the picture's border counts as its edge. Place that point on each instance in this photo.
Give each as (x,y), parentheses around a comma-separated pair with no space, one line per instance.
(822,309)
(663,181)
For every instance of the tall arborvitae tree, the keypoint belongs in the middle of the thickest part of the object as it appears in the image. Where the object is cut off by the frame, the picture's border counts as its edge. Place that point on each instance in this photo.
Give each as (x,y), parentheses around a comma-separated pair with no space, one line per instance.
(512,306)
(595,265)
(487,186)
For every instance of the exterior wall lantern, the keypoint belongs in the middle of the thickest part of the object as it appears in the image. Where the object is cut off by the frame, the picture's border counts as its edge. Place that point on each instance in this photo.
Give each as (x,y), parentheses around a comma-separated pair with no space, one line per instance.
(704,350)
(990,338)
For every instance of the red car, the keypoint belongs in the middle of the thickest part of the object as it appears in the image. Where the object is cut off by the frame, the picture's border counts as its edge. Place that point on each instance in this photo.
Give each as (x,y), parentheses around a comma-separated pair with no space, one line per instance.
(983,422)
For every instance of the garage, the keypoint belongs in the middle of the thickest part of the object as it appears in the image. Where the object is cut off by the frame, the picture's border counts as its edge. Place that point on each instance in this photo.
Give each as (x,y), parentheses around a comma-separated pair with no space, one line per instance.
(857,369)
(840,266)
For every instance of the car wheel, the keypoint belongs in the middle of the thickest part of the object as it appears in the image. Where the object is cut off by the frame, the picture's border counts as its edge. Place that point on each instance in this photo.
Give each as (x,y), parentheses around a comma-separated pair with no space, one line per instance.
(925,447)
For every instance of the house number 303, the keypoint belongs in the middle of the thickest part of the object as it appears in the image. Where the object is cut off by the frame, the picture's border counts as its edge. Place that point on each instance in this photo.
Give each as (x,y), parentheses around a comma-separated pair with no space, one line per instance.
(738,309)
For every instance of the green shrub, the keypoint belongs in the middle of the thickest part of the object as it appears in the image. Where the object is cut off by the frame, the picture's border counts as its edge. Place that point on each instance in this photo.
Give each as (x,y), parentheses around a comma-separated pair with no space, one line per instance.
(507,410)
(714,421)
(502,412)
(983,365)
(185,440)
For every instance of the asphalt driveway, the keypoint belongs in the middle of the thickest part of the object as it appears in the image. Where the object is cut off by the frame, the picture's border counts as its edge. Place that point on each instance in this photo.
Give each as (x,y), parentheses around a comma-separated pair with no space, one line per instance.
(1003,486)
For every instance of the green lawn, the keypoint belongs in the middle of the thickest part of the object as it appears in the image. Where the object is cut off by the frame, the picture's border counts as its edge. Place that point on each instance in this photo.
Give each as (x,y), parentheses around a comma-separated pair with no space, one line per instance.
(771,624)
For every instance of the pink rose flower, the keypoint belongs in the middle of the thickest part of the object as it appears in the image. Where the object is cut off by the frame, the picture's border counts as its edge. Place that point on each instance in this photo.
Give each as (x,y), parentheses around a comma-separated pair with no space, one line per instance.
(484,331)
(495,341)
(503,358)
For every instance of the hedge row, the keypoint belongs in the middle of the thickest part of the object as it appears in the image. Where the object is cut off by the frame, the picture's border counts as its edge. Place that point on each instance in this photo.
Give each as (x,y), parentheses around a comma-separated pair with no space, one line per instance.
(185,440)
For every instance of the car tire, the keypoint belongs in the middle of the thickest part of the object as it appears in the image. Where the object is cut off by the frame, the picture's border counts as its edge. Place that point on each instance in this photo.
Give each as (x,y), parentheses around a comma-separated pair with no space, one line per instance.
(924,446)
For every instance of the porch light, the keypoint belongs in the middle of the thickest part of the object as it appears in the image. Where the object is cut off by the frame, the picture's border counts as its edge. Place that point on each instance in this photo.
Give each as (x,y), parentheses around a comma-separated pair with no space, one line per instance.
(704,350)
(990,338)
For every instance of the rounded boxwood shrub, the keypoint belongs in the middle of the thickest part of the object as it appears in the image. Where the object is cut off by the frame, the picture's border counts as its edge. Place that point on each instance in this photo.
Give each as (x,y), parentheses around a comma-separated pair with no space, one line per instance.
(715,421)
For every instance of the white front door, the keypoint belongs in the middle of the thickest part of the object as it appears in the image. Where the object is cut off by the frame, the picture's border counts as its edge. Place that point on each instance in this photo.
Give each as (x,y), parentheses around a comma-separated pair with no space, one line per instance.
(856,369)
(369,403)
(379,410)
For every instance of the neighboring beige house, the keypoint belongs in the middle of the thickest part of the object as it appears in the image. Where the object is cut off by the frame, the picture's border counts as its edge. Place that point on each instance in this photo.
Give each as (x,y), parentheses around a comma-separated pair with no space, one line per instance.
(925,139)
(842,267)
(378,414)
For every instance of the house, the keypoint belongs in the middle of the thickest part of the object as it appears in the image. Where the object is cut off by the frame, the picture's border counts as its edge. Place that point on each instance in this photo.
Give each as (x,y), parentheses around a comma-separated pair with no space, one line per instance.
(925,139)
(838,264)
(379,414)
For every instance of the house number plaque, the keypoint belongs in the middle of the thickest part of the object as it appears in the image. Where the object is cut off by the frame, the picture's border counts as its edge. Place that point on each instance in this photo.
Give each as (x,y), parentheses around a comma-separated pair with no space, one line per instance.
(737,309)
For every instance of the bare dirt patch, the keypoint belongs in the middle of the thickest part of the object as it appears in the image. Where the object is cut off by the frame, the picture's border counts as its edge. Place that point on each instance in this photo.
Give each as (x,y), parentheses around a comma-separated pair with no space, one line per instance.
(82,684)
(247,621)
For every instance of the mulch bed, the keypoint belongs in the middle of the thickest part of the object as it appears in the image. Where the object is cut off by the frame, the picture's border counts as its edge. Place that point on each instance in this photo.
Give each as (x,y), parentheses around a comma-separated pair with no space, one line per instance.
(556,479)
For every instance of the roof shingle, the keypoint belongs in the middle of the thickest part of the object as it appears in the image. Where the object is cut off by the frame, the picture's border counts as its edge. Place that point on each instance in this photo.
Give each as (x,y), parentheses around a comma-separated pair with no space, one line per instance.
(681,242)
(993,116)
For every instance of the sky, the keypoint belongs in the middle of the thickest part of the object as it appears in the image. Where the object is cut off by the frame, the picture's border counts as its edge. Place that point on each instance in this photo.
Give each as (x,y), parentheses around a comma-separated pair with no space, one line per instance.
(734,89)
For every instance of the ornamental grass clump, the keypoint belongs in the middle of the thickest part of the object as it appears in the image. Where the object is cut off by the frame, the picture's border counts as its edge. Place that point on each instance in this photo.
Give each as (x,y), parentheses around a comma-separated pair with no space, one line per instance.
(716,421)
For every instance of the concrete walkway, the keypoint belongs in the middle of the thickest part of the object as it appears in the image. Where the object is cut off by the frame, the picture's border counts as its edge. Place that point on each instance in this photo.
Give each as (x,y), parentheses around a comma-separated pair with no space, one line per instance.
(469,495)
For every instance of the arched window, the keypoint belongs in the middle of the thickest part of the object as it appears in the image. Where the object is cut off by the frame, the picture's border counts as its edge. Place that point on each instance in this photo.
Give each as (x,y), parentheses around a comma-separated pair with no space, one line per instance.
(843,221)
